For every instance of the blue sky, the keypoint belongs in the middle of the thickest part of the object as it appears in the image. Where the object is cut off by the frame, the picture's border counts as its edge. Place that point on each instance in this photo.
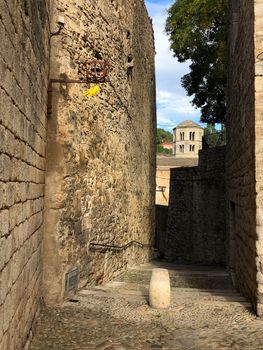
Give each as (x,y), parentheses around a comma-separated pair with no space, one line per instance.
(173,105)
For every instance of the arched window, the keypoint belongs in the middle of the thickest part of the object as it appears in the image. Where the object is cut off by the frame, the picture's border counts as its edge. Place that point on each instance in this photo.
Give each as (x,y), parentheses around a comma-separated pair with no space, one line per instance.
(192,135)
(182,136)
(193,148)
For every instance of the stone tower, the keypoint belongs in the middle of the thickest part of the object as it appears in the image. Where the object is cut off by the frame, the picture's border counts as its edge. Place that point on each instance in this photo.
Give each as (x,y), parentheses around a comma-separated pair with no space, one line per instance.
(187,139)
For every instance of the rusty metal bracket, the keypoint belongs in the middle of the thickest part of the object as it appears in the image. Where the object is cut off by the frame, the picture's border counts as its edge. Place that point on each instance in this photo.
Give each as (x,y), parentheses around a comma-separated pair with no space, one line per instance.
(160,189)
(96,71)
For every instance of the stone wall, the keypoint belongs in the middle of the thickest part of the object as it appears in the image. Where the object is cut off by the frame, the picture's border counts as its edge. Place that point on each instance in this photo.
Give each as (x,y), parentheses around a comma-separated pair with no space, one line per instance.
(160,228)
(162,186)
(258,39)
(101,149)
(244,154)
(196,227)
(23,93)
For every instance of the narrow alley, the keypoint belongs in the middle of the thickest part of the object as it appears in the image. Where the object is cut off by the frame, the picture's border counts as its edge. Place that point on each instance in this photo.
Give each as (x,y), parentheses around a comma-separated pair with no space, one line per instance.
(79,221)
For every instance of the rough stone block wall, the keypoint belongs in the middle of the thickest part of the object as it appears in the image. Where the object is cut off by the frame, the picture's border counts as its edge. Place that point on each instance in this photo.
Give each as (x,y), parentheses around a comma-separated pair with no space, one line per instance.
(258,40)
(196,224)
(162,179)
(244,156)
(23,92)
(101,149)
(160,228)
(242,134)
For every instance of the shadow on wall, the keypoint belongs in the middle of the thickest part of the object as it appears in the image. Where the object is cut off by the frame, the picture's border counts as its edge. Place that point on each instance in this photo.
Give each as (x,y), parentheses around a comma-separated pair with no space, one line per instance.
(160,228)
(193,227)
(244,150)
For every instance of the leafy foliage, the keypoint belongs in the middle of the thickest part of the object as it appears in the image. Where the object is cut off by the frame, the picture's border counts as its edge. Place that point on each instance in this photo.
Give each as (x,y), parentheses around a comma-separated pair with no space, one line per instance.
(163,136)
(197,31)
(214,137)
(210,129)
(161,149)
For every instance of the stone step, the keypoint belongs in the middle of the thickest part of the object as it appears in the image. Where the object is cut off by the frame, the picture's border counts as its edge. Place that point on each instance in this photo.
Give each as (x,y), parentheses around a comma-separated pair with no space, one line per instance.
(181,269)
(189,285)
(144,287)
(181,276)
(179,273)
(177,297)
(216,282)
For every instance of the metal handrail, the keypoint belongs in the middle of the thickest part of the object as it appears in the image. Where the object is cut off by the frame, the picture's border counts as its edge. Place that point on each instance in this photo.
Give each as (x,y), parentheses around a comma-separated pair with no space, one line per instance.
(117,247)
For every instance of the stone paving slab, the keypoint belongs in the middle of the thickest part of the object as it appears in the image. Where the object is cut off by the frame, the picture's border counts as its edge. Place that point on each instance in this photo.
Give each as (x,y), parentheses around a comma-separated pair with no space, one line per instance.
(183,295)
(175,296)
(84,326)
(183,269)
(212,277)
(132,286)
(187,268)
(182,281)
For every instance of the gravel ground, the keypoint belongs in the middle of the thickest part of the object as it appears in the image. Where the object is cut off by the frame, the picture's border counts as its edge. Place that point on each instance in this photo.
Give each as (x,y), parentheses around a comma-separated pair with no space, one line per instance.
(119,323)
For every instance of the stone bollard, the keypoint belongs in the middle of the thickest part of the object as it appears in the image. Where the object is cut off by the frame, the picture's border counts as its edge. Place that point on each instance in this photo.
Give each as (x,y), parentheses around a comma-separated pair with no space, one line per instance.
(159,291)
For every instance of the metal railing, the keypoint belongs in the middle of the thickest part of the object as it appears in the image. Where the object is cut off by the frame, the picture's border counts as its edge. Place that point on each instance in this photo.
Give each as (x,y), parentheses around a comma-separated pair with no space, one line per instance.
(95,246)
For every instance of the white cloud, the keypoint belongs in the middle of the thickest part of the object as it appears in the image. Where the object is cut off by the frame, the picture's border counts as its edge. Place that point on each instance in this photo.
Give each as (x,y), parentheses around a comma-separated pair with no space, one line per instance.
(174,102)
(173,105)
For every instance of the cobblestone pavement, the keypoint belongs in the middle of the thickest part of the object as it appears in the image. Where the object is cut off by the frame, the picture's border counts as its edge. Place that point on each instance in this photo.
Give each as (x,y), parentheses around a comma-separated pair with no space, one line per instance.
(209,315)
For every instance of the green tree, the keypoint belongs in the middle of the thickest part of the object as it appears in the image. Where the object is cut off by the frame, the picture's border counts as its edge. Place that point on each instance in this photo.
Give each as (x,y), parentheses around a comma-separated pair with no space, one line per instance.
(197,32)
(163,136)
(210,129)
(214,137)
(160,149)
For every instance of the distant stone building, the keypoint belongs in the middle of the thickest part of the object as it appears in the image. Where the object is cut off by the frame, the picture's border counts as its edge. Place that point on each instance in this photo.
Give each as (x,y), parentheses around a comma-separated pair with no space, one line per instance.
(187,139)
